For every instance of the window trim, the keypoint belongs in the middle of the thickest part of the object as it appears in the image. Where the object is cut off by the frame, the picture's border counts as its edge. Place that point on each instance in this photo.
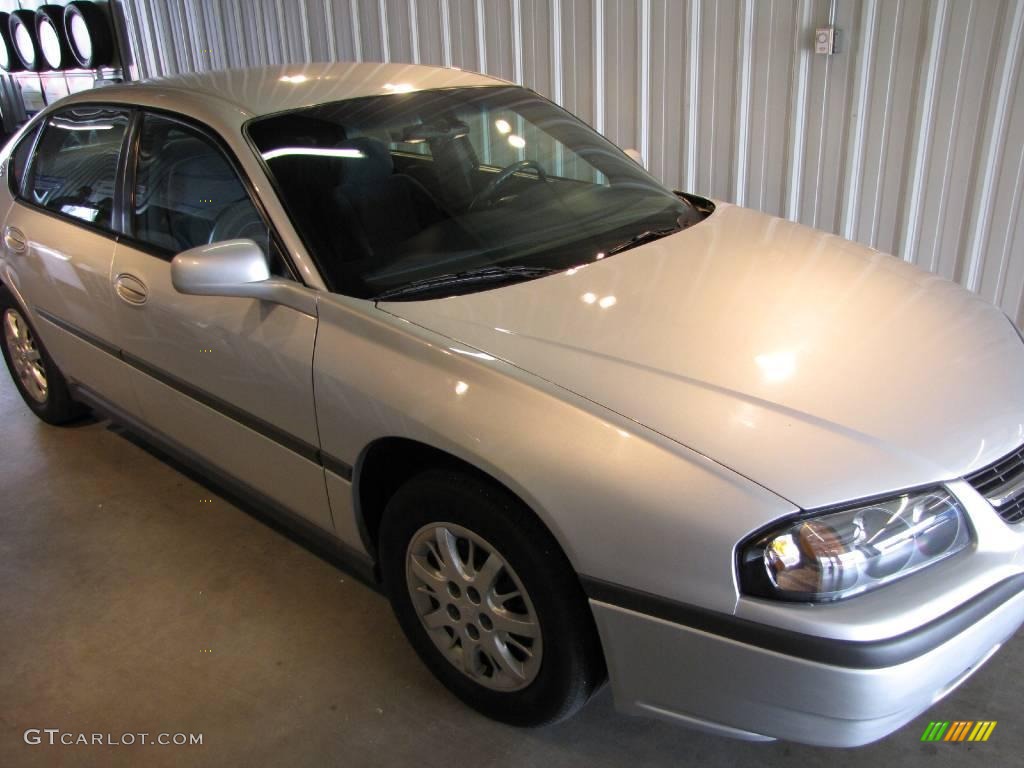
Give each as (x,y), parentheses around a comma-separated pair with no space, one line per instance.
(32,136)
(20,196)
(128,184)
(120,199)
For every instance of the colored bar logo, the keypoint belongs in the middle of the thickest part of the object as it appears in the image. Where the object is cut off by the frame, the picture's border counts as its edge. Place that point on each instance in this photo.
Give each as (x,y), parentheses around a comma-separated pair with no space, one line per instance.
(959,730)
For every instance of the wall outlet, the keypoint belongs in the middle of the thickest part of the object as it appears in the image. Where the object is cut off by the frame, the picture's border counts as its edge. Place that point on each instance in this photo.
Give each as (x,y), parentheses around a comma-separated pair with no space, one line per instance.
(825,40)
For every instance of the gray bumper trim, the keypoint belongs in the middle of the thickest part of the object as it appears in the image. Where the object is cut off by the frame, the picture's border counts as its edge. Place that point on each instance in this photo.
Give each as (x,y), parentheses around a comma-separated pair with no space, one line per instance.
(873,654)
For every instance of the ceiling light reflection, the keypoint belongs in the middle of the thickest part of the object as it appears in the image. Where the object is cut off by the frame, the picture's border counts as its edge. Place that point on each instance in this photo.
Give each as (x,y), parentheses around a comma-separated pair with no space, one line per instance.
(47,251)
(312,151)
(777,366)
(471,353)
(86,127)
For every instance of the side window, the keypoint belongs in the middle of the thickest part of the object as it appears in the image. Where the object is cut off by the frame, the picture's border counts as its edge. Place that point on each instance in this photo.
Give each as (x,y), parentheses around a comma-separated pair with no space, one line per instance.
(75,167)
(19,159)
(187,193)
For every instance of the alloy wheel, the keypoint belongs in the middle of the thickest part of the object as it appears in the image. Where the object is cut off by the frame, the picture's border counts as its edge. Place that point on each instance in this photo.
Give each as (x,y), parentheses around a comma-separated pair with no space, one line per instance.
(25,356)
(474,607)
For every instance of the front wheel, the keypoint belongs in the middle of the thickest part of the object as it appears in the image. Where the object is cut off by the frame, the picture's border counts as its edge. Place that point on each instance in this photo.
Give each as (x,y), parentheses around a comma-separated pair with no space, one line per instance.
(488,599)
(36,376)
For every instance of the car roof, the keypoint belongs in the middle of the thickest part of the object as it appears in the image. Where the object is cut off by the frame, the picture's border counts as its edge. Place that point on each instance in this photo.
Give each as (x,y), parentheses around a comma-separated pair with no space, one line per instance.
(237,95)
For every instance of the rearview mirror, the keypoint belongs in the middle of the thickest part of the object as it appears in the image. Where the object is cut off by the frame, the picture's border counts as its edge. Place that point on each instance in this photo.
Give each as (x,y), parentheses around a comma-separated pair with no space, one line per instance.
(420,132)
(236,268)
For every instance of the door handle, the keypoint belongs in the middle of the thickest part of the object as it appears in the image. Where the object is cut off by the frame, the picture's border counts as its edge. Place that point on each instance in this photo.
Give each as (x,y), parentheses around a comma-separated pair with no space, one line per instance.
(130,289)
(15,240)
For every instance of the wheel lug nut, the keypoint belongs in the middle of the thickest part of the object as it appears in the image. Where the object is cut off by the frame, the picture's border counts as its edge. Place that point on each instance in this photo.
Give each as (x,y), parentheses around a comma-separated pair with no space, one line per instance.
(485,622)
(453,612)
(473,595)
(473,632)
(453,590)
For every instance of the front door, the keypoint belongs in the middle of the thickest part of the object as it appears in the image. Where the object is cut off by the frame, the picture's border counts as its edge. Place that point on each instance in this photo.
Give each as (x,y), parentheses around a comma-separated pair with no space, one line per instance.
(228,379)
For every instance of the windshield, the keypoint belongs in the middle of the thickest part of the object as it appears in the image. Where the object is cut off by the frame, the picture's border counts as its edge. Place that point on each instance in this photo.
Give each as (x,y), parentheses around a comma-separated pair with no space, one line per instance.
(449,191)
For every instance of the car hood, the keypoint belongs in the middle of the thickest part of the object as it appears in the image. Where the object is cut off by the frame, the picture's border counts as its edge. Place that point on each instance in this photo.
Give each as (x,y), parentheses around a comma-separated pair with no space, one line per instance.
(819,368)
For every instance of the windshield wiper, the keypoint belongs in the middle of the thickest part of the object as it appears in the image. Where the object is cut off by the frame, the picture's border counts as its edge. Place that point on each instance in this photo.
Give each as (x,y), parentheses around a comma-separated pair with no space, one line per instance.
(468,277)
(647,236)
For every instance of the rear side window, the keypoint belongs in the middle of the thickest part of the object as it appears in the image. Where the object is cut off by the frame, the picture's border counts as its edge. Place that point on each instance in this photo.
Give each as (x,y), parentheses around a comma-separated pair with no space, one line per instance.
(75,169)
(187,193)
(19,159)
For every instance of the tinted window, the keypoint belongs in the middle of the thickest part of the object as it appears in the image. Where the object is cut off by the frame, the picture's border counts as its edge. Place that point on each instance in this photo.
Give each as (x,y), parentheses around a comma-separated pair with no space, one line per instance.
(187,193)
(432,193)
(19,159)
(76,164)
(502,136)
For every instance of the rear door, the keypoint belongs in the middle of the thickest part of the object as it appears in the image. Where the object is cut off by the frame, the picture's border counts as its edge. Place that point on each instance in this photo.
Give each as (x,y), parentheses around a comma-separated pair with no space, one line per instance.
(228,379)
(59,236)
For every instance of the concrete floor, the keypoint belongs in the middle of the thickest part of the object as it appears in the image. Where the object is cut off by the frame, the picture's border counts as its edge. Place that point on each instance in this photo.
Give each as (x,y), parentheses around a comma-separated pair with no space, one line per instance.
(134,599)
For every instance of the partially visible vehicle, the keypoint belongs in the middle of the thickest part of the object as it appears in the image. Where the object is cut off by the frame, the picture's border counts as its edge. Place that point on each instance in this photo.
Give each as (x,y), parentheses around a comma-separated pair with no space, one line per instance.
(767,481)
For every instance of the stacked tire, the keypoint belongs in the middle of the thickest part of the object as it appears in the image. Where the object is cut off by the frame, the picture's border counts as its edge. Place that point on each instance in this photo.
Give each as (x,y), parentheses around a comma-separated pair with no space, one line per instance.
(88,34)
(9,60)
(75,36)
(25,41)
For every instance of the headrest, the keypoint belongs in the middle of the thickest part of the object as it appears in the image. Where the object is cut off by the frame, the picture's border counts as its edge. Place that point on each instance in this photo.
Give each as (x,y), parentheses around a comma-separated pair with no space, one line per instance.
(372,164)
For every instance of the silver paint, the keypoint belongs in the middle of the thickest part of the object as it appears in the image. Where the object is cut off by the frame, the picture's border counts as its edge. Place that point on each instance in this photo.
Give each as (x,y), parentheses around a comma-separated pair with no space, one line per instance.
(653,408)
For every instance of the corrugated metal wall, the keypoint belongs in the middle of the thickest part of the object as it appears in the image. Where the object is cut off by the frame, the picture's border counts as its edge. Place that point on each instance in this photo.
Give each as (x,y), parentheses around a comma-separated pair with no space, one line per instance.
(910,139)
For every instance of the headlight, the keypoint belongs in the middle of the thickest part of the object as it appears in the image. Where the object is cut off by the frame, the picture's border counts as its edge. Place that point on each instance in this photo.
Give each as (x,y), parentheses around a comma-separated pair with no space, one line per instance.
(835,555)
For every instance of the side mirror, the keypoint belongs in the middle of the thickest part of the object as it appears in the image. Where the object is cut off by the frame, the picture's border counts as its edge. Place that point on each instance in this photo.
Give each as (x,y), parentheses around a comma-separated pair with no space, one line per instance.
(636,157)
(236,268)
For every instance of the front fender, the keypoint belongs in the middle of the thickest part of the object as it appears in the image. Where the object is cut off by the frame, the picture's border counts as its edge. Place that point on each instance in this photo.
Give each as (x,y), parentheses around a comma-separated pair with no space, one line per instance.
(626,504)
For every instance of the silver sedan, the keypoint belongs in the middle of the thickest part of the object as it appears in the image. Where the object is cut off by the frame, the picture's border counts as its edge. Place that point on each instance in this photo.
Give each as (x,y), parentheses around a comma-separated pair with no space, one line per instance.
(579,427)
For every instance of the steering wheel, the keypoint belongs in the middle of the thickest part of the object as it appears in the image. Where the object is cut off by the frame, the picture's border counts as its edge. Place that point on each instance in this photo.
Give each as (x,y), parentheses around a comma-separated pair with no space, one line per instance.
(504,175)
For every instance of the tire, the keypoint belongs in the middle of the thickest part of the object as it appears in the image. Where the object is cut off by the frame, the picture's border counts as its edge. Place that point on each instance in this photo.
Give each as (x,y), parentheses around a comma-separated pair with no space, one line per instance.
(53,42)
(9,61)
(56,405)
(23,24)
(83,20)
(541,676)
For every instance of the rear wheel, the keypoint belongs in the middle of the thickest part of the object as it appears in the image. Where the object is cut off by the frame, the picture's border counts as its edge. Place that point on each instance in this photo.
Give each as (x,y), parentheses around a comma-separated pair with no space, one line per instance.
(488,599)
(36,376)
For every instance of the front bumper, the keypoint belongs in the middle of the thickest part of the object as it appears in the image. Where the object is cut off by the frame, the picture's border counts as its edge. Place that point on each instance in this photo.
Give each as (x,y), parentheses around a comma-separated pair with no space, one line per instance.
(722,678)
